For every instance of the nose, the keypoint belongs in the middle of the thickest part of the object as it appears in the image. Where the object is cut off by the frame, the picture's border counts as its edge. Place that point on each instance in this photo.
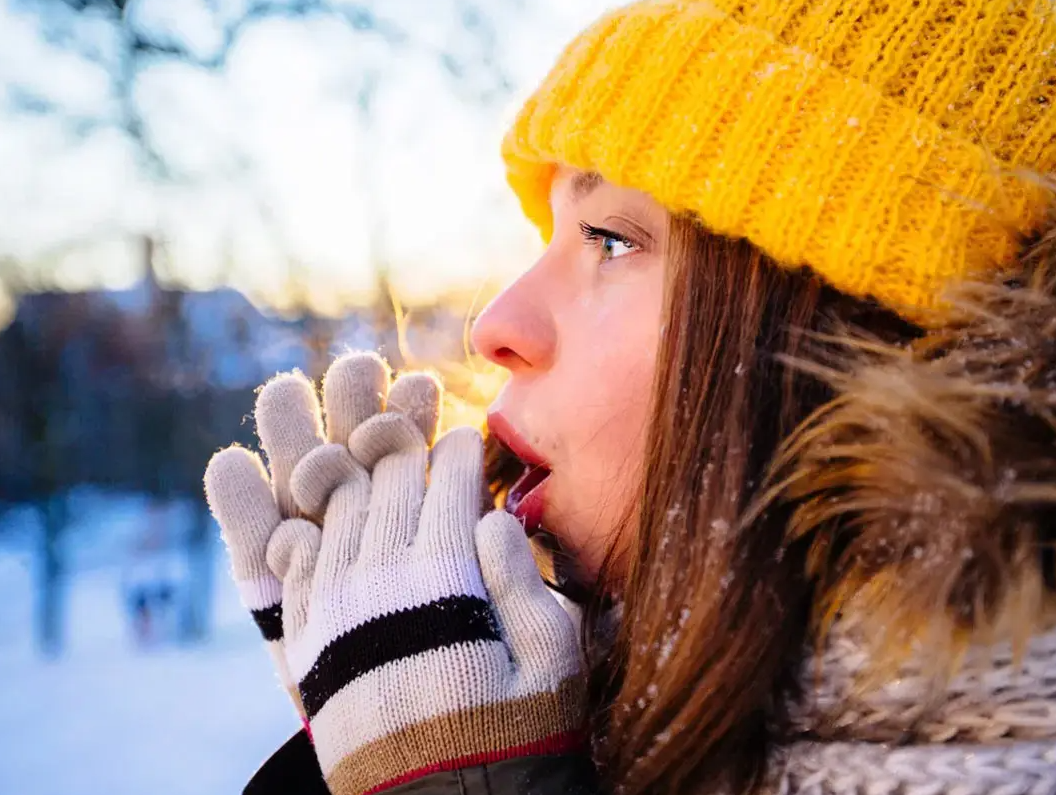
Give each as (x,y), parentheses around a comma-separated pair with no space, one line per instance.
(516,330)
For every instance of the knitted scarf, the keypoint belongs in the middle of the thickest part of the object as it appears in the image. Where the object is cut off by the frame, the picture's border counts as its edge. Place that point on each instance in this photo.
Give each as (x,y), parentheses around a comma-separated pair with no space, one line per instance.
(990,729)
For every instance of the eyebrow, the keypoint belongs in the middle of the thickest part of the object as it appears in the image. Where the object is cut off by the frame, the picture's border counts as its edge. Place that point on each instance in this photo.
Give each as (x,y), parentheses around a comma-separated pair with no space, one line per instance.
(584,183)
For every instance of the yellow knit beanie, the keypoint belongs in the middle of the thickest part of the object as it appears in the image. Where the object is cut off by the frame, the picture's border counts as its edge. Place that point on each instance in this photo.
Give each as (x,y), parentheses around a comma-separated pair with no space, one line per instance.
(894,146)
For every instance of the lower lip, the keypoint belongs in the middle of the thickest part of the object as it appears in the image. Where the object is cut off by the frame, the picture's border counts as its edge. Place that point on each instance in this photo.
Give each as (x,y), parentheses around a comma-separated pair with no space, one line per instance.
(530,509)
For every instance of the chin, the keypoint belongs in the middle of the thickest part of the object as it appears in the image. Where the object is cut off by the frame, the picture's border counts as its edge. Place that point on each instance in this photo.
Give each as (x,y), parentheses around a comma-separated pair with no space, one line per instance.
(574,570)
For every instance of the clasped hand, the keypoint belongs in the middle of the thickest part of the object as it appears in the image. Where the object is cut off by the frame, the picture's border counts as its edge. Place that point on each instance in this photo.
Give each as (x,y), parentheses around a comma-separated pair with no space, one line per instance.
(414,634)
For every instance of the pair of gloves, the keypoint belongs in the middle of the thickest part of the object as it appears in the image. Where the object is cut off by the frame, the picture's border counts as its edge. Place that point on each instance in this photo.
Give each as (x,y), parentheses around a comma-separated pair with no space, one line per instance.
(413,635)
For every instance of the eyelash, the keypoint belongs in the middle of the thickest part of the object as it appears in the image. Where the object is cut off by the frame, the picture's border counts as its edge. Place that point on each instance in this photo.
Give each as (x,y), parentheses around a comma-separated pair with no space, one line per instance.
(596,236)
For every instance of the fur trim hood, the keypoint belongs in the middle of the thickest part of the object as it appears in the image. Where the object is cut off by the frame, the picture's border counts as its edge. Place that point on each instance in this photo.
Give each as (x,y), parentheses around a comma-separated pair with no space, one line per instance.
(927,487)
(926,491)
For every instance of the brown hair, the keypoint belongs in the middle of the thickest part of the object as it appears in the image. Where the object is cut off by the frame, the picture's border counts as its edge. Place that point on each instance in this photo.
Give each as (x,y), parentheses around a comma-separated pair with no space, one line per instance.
(718,586)
(714,613)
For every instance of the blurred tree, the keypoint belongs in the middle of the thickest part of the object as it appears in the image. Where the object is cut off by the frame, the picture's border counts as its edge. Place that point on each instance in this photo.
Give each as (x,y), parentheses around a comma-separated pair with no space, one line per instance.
(126,41)
(40,443)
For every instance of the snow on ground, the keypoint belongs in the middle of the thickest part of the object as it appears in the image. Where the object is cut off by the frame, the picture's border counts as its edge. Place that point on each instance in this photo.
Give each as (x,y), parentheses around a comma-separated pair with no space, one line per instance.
(109,717)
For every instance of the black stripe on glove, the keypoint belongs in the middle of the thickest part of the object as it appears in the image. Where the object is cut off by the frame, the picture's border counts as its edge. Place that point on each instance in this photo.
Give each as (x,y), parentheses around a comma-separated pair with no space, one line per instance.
(449,621)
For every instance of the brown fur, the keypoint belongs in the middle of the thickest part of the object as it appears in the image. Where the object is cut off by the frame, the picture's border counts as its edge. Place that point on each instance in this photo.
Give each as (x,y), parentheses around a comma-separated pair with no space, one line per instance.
(927,486)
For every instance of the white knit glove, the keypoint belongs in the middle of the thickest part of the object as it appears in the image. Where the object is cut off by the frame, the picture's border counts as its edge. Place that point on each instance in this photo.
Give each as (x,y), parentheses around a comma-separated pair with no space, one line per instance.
(250,506)
(422,636)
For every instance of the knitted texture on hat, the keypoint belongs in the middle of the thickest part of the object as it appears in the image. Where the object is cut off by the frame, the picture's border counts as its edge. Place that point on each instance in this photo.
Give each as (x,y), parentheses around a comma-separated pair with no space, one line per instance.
(887,144)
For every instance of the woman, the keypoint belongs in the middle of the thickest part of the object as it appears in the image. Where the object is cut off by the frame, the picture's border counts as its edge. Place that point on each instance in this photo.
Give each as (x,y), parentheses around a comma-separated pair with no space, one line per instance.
(783,391)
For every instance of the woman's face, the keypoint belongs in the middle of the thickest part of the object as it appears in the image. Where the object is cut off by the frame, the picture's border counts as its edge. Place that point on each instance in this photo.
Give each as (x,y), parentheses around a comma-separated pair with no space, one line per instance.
(578,333)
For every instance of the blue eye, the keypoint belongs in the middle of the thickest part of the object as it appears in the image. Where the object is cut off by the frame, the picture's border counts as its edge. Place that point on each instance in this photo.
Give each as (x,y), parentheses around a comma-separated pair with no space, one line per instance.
(610,244)
(613,247)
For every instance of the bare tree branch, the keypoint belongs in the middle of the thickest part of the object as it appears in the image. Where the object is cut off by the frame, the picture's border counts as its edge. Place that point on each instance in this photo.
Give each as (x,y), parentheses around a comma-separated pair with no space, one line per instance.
(130,45)
(478,74)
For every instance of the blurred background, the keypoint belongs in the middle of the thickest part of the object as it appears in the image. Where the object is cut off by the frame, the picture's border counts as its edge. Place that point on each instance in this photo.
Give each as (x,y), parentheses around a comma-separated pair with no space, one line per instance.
(194,195)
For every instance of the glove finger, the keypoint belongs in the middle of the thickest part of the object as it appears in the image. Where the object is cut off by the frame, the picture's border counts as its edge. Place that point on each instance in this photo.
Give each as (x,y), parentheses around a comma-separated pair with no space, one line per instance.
(394,448)
(354,390)
(318,474)
(453,505)
(289,424)
(539,633)
(292,555)
(241,500)
(383,436)
(277,650)
(418,395)
(346,516)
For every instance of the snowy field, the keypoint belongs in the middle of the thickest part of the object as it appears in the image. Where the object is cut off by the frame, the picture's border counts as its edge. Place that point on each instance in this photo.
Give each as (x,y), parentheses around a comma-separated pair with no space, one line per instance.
(110,717)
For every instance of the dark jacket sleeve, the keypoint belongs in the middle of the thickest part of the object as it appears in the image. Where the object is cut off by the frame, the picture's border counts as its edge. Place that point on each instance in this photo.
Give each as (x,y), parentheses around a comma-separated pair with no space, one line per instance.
(293,770)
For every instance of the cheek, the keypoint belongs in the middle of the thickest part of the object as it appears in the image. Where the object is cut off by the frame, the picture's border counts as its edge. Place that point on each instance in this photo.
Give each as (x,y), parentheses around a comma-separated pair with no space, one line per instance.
(609,353)
(617,363)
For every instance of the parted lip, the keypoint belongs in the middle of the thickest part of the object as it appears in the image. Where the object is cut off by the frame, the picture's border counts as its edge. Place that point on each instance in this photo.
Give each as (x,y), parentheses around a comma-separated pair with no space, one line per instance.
(503,430)
(525,498)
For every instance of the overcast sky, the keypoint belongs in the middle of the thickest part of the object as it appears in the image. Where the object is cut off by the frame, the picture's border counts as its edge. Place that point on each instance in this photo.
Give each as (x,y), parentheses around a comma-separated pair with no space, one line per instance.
(277,164)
